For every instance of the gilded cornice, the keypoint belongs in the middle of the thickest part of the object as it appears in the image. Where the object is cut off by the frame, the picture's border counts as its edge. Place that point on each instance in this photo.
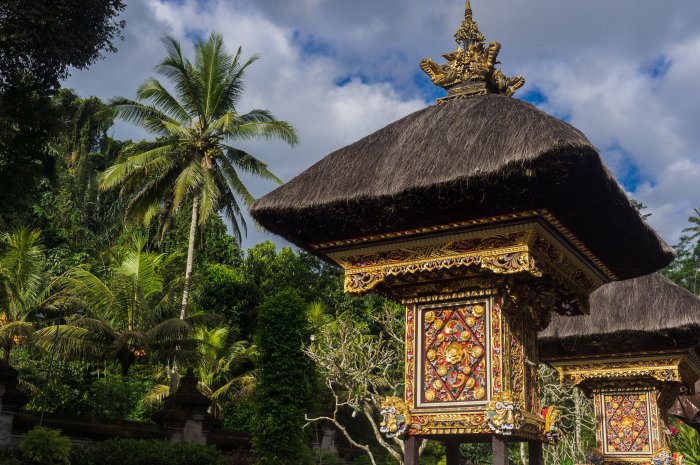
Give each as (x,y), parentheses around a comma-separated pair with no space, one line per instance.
(331,248)
(462,260)
(660,368)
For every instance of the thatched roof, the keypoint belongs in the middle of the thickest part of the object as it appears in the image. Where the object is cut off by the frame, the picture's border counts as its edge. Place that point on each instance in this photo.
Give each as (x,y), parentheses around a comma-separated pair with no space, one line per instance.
(641,314)
(467,159)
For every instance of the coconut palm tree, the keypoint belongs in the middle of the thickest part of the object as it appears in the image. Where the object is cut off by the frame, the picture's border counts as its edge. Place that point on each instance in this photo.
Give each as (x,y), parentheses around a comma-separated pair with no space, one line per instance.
(192,162)
(25,288)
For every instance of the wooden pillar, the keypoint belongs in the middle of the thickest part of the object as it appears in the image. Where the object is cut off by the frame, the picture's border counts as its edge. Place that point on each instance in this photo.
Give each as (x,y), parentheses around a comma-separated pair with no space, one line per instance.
(534,450)
(452,452)
(500,451)
(410,450)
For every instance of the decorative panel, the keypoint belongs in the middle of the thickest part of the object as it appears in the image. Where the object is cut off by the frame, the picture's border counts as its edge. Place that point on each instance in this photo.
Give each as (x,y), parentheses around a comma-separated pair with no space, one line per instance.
(627,423)
(464,364)
(453,351)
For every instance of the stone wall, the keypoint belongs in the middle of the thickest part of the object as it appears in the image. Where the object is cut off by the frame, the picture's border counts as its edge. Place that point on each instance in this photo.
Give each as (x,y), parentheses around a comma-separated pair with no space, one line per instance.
(184,417)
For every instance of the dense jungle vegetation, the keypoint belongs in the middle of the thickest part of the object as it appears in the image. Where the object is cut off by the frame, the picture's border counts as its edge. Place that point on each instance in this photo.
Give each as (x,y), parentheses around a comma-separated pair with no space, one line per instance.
(123,259)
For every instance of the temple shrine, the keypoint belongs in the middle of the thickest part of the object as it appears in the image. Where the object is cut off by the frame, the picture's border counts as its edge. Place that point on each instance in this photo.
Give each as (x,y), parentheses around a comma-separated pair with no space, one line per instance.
(483,215)
(637,355)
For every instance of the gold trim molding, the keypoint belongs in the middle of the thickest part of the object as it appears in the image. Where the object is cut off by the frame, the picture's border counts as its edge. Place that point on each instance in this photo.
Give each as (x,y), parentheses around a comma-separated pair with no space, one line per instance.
(669,367)
(493,221)
(466,259)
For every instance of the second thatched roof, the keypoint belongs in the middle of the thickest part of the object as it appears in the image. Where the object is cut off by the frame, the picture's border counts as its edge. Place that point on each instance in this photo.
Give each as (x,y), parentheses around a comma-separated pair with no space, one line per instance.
(636,315)
(467,159)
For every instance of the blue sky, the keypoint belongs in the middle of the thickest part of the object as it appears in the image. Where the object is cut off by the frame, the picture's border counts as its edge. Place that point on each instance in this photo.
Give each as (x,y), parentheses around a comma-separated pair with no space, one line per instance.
(623,72)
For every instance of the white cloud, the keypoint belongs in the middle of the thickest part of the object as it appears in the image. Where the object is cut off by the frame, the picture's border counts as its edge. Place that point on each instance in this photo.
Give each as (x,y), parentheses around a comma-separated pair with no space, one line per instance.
(586,57)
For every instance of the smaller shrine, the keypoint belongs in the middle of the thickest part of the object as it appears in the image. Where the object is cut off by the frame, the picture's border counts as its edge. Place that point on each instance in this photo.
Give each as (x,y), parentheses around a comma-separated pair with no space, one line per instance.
(635,354)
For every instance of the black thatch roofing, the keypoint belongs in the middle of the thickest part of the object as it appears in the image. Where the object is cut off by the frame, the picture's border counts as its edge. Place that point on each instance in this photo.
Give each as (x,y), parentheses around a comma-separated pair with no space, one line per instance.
(467,159)
(636,315)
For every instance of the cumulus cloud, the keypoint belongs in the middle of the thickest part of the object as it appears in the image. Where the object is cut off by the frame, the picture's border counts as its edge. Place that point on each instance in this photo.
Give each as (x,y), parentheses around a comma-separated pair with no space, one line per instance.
(623,72)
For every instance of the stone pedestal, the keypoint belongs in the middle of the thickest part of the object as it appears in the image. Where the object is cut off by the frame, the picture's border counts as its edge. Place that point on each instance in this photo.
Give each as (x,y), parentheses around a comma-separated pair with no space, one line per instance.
(185,412)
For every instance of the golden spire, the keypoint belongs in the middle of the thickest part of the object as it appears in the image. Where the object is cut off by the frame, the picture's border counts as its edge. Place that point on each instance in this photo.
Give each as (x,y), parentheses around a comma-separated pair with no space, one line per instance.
(469,31)
(471,69)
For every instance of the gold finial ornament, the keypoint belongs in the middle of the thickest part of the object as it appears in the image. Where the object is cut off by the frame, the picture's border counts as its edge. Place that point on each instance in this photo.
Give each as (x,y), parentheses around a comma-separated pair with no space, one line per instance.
(471,69)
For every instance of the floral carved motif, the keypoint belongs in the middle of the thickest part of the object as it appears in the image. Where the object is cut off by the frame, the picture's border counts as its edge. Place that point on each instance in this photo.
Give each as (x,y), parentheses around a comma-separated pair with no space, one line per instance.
(454,355)
(472,423)
(627,423)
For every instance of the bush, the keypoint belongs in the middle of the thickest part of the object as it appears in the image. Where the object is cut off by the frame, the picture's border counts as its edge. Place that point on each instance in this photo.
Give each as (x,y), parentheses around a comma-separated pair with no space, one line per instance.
(328,458)
(145,452)
(10,457)
(46,447)
(239,415)
(284,384)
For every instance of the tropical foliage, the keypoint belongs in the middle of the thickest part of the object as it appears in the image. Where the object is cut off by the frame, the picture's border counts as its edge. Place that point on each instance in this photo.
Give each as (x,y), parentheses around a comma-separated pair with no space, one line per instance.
(285,381)
(26,290)
(95,234)
(192,162)
(46,447)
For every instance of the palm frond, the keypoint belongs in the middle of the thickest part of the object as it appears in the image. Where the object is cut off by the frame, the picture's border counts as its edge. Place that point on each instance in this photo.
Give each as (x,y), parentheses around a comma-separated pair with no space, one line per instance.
(146,116)
(157,395)
(23,261)
(154,91)
(211,64)
(72,343)
(91,291)
(209,197)
(233,182)
(188,184)
(249,164)
(234,85)
(153,159)
(17,331)
(261,125)
(182,74)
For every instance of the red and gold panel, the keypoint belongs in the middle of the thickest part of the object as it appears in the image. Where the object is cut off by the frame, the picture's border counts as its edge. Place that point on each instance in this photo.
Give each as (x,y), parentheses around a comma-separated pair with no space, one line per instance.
(460,354)
(627,423)
(453,353)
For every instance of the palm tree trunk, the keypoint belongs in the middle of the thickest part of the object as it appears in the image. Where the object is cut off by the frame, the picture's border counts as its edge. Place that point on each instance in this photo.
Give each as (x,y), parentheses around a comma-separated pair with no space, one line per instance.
(190,259)
(186,290)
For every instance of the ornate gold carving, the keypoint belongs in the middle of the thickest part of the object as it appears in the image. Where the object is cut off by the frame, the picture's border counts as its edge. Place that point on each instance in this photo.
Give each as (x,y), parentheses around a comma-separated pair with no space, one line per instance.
(662,457)
(556,263)
(503,413)
(500,263)
(471,69)
(447,263)
(659,369)
(447,423)
(552,423)
(444,291)
(493,220)
(396,417)
(431,251)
